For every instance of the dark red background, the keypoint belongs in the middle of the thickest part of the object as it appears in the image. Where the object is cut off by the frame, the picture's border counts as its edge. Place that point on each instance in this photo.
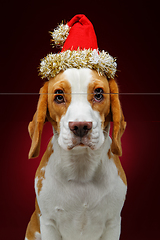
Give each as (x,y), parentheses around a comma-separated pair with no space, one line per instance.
(128,30)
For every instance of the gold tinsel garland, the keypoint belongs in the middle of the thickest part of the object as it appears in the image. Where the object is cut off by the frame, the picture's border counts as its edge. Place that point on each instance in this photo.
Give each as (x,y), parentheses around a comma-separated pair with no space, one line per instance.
(60,34)
(102,62)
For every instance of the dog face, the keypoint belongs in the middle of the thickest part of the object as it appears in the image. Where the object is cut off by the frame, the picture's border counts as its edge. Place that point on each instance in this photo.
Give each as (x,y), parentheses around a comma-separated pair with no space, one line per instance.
(79,103)
(79,107)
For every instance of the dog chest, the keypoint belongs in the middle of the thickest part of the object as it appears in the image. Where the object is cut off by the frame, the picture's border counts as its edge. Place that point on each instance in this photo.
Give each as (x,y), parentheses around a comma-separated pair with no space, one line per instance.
(76,211)
(80,209)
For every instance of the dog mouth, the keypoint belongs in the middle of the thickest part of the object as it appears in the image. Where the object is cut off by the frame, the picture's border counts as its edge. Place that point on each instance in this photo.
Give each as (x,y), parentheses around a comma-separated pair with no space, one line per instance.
(82,142)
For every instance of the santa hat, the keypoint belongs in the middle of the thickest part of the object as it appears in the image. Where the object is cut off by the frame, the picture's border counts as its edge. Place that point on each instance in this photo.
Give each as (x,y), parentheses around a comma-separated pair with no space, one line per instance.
(79,46)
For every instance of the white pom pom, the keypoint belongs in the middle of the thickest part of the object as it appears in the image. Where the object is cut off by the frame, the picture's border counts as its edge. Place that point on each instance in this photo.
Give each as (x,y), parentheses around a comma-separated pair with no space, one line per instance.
(60,34)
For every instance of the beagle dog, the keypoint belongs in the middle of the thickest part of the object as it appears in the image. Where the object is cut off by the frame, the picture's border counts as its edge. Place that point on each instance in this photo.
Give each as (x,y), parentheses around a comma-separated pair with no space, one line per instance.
(80,184)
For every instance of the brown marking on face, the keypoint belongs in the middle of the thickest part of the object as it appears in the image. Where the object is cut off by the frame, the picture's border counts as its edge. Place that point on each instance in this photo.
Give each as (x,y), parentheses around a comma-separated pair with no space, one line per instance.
(57,110)
(103,107)
(41,171)
(34,224)
(117,162)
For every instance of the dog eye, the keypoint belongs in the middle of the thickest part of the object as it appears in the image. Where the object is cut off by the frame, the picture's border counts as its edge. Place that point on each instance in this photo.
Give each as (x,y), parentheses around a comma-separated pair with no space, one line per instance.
(98,96)
(59,98)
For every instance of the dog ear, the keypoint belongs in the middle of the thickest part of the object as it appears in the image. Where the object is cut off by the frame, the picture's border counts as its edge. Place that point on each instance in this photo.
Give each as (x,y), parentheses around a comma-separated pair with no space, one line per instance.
(36,125)
(119,124)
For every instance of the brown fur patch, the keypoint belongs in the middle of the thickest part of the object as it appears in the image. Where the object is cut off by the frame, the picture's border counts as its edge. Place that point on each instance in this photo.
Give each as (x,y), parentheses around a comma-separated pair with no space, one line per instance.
(36,125)
(41,171)
(118,119)
(34,224)
(102,107)
(56,111)
(117,162)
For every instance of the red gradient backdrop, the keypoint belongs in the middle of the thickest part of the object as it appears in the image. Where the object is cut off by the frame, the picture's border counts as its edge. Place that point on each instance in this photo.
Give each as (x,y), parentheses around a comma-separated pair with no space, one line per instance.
(128,30)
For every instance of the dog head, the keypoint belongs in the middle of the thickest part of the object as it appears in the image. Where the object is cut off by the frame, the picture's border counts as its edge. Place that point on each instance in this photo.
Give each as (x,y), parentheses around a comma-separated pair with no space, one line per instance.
(79,103)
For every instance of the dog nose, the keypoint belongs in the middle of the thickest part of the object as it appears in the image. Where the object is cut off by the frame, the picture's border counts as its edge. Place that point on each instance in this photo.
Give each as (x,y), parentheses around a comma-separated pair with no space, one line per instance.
(80,129)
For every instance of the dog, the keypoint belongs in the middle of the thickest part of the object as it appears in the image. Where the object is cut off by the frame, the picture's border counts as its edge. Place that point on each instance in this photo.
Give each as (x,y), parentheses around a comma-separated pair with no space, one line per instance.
(80,184)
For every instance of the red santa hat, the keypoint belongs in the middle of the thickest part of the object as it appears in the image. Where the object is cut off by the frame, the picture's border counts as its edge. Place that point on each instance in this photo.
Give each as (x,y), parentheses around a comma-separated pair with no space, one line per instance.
(81,34)
(79,46)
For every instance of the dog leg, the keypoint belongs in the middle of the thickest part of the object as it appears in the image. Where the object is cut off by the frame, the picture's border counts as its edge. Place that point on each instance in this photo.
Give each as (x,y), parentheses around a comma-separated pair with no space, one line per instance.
(112,230)
(49,231)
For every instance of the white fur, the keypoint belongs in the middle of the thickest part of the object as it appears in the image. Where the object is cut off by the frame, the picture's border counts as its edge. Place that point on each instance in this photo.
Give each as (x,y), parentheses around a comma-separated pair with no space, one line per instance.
(82,194)
(80,110)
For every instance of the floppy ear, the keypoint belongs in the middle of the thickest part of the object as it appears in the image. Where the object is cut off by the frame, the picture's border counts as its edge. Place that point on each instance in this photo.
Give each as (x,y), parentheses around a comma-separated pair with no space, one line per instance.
(119,124)
(36,125)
